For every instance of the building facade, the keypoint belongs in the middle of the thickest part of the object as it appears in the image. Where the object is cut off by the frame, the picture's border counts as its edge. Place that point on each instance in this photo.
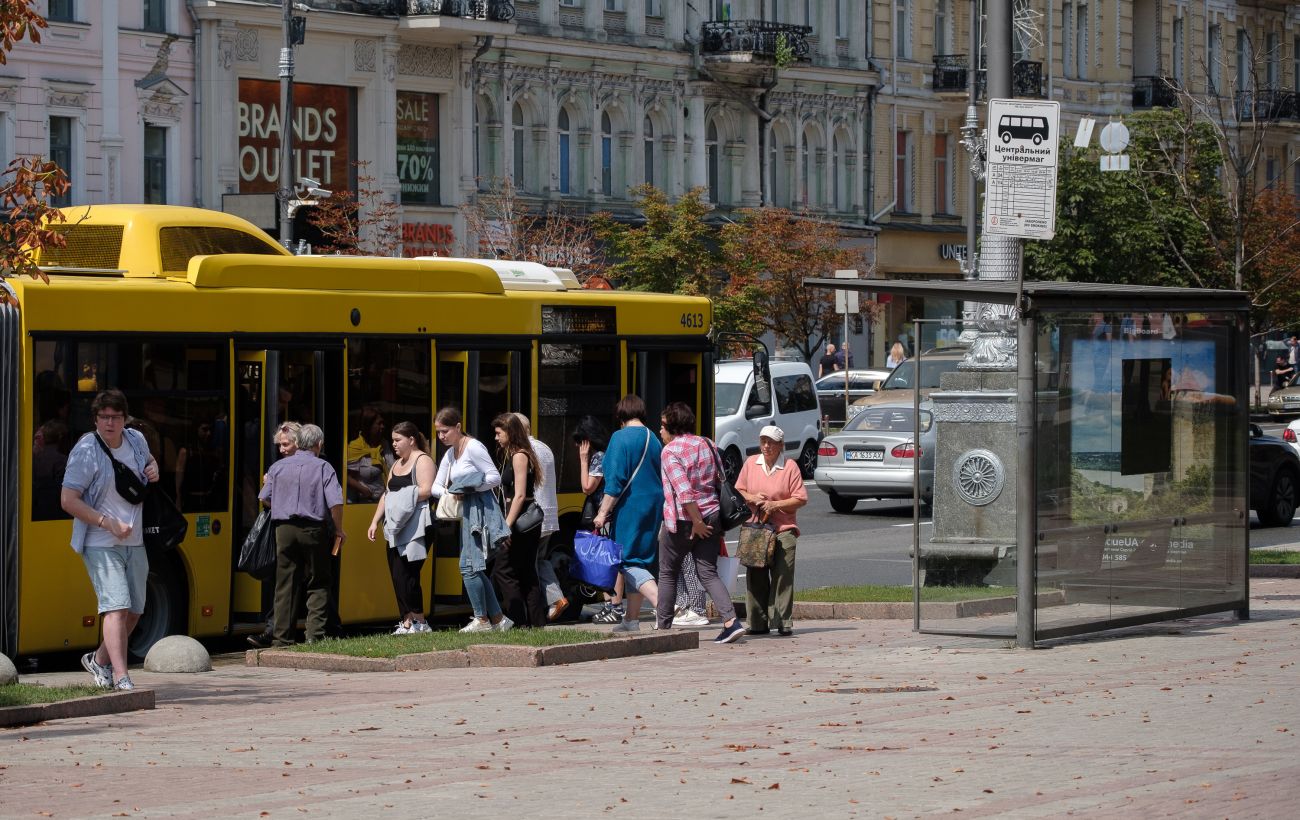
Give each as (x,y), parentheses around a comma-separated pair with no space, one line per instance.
(849,110)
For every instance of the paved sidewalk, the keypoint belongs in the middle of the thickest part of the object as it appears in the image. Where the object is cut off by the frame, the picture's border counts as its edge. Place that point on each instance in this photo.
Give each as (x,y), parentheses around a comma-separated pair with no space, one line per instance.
(1196,718)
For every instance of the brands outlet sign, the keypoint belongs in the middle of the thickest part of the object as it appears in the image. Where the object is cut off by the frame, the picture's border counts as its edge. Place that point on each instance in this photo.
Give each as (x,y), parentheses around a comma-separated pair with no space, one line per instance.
(322,116)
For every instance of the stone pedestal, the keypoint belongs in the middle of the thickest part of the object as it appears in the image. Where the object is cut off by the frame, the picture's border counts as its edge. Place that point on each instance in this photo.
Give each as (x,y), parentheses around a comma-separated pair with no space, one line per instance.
(974,477)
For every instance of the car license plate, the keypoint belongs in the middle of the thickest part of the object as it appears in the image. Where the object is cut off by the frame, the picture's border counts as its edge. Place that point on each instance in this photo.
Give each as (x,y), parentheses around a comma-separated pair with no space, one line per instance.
(865,455)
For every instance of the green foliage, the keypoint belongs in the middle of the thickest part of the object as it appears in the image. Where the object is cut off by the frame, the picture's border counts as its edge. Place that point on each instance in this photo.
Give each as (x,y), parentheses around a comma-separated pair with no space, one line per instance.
(784,53)
(1274,557)
(1154,225)
(670,253)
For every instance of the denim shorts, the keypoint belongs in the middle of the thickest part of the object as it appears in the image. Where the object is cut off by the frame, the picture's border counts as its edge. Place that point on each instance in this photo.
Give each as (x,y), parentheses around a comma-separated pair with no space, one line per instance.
(634,577)
(118,575)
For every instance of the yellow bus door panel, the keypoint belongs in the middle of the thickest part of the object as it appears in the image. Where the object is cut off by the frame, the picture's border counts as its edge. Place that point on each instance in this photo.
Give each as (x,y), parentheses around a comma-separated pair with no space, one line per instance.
(66,617)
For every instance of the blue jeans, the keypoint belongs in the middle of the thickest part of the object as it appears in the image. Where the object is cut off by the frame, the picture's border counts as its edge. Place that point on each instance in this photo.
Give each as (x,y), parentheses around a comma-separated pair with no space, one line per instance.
(481,594)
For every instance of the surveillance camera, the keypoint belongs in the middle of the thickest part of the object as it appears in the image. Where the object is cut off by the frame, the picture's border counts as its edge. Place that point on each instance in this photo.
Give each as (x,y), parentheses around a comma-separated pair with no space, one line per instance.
(320,192)
(309,182)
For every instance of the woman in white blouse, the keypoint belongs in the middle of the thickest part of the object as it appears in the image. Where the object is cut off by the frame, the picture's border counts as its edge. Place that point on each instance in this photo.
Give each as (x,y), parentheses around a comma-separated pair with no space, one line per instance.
(467,471)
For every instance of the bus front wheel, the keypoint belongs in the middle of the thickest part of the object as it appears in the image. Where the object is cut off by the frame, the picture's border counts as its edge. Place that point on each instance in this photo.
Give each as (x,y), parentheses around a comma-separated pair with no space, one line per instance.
(165,605)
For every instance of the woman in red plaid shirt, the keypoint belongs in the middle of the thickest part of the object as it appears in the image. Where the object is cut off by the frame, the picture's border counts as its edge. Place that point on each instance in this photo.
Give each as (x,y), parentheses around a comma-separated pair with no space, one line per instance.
(690,477)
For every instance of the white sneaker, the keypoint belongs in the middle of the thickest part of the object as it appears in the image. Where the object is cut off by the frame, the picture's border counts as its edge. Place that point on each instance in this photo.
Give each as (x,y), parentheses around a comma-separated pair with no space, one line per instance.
(477,625)
(418,627)
(402,629)
(690,618)
(103,675)
(124,684)
(503,625)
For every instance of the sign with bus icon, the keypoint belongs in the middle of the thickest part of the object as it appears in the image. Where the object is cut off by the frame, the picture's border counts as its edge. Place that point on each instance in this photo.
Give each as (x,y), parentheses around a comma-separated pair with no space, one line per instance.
(1020,183)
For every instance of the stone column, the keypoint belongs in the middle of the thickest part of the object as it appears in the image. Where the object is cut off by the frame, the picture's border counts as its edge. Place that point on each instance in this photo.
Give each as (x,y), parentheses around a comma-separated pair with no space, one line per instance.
(220,129)
(751,193)
(858,32)
(551,162)
(823,26)
(861,148)
(675,22)
(468,104)
(507,127)
(593,20)
(635,10)
(699,176)
(548,17)
(386,102)
(111,139)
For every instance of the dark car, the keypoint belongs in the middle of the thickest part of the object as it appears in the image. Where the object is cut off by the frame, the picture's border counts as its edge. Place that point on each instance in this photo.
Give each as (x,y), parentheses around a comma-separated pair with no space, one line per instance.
(1274,479)
(830,391)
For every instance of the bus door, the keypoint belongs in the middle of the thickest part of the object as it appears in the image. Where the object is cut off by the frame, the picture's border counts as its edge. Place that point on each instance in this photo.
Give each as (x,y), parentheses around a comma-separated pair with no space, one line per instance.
(274,385)
(662,376)
(481,384)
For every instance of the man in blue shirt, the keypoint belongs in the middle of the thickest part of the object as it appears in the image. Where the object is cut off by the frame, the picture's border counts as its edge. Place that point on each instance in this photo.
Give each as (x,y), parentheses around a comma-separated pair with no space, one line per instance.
(306,502)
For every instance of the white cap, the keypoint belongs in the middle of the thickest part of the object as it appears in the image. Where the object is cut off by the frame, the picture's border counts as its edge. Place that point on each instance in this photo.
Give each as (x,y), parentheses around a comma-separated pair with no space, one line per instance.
(773,432)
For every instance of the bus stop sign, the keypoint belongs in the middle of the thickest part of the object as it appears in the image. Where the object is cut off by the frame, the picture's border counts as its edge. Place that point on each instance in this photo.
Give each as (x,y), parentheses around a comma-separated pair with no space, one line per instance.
(1020,183)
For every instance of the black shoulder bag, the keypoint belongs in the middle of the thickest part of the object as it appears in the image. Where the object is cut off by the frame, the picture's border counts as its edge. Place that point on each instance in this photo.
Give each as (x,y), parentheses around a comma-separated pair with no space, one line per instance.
(733,510)
(127,483)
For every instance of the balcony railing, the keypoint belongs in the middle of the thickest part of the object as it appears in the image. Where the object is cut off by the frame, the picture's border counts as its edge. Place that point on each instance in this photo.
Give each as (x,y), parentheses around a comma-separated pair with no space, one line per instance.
(754,37)
(1155,92)
(498,11)
(1267,104)
(950,72)
(950,75)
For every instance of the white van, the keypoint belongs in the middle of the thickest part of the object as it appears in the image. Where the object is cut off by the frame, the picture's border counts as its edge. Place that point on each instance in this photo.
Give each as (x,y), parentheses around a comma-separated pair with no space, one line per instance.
(739,412)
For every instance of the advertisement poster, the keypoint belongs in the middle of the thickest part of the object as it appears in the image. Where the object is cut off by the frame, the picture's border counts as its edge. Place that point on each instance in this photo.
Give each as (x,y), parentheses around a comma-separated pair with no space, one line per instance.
(417,147)
(322,145)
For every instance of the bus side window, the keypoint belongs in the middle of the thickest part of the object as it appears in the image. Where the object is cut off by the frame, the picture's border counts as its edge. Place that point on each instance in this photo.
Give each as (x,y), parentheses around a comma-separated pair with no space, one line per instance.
(388,382)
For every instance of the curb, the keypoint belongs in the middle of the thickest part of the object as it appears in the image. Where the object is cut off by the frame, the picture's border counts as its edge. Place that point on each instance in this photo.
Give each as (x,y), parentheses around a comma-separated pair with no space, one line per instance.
(1275,570)
(481,655)
(107,704)
(902,610)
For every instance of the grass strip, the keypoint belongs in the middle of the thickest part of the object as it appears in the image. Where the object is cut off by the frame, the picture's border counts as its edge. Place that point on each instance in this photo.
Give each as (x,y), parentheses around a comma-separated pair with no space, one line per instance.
(390,646)
(26,694)
(1275,557)
(876,593)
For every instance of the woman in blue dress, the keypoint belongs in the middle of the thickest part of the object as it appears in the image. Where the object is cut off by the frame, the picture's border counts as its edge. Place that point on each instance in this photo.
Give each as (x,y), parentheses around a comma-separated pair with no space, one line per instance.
(634,500)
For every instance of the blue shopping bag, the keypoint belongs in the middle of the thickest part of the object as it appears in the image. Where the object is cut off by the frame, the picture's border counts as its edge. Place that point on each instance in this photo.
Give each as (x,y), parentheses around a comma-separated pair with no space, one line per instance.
(598,559)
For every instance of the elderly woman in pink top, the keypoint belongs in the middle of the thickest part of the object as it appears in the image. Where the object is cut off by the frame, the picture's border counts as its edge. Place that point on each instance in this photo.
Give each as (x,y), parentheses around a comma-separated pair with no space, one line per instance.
(772,485)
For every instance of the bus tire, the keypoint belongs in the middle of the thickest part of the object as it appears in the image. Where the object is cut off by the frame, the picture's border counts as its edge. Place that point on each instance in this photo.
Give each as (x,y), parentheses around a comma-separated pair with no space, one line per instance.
(166,605)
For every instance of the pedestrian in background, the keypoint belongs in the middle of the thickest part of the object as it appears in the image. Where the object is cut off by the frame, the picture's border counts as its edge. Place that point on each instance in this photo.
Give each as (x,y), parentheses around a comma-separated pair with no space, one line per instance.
(514,568)
(368,457)
(467,471)
(286,444)
(556,603)
(691,482)
(306,502)
(896,356)
(773,487)
(632,502)
(404,511)
(1283,371)
(827,363)
(107,532)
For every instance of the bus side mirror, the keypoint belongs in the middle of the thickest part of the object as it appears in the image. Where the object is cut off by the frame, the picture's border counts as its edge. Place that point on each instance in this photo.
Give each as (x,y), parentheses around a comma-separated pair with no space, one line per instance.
(762,377)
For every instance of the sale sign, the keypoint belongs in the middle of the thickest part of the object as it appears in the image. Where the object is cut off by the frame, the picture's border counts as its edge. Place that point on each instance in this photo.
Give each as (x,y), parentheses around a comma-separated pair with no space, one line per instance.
(417,147)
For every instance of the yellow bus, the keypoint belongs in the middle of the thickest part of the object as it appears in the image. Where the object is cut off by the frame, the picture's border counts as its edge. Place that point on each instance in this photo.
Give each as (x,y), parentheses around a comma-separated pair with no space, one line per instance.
(216,335)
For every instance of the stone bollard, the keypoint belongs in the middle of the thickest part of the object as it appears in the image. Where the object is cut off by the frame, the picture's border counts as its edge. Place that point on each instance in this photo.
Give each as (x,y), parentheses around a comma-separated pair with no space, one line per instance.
(178,653)
(8,672)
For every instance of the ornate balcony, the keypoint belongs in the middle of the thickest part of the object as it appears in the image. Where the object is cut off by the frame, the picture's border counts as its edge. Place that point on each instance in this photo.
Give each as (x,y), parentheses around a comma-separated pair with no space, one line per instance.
(497,11)
(1155,92)
(950,76)
(950,73)
(1267,104)
(744,52)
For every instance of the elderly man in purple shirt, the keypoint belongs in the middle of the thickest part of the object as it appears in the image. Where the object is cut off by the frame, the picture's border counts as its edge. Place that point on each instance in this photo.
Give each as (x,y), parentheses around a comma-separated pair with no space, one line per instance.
(304,495)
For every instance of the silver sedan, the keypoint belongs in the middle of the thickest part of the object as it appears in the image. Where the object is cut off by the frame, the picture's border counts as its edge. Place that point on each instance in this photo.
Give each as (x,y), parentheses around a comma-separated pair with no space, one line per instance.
(873,457)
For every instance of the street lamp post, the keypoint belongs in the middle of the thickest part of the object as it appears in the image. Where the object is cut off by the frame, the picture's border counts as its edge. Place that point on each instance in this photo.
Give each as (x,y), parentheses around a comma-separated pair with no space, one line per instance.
(293,30)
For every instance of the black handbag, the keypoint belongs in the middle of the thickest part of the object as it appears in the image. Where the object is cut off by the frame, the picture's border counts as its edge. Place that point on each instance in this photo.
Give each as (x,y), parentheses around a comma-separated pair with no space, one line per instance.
(591,506)
(734,511)
(164,525)
(530,519)
(257,555)
(125,481)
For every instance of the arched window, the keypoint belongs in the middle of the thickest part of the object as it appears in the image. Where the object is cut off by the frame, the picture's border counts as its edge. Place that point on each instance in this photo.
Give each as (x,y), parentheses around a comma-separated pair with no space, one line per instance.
(517,145)
(606,155)
(562,125)
(648,132)
(711,152)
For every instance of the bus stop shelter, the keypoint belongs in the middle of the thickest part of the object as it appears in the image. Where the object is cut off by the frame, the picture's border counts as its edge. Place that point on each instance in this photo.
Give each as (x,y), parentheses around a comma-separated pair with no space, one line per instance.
(1126,443)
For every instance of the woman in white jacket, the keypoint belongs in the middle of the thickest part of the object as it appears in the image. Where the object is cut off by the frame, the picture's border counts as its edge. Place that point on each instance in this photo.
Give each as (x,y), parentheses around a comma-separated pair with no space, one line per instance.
(404,509)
